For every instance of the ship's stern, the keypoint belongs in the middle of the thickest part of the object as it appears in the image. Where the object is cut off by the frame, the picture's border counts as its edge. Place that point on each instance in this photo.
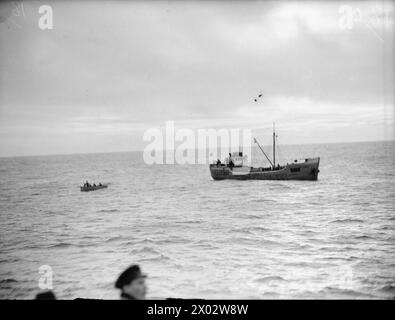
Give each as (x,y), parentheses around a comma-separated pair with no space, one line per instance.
(219,172)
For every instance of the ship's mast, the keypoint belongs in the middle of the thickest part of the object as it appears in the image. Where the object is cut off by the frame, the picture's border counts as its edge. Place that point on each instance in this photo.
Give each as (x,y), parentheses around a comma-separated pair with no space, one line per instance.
(274,147)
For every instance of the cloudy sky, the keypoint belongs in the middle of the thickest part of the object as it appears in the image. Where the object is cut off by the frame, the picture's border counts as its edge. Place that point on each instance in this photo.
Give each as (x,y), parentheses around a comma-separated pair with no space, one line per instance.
(108,71)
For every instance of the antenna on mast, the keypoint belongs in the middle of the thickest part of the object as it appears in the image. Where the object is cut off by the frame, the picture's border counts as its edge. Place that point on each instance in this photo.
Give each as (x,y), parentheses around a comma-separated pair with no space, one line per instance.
(274,146)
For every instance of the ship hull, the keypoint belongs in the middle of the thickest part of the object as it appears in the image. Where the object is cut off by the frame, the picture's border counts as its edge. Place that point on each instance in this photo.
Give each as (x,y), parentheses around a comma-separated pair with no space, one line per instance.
(307,170)
(93,188)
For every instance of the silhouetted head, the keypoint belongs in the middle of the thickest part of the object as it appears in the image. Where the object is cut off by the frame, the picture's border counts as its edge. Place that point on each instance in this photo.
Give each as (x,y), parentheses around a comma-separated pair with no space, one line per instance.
(131,282)
(47,295)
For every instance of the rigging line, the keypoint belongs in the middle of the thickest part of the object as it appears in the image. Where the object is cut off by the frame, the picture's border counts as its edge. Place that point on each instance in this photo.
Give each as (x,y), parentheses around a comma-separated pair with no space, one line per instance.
(256,141)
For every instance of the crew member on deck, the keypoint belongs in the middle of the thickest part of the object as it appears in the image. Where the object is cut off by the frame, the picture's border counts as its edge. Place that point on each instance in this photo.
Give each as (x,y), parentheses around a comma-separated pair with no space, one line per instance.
(131,282)
(231,164)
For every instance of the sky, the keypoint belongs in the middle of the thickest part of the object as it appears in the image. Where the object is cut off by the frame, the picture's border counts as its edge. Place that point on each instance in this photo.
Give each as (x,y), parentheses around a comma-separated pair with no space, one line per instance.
(108,71)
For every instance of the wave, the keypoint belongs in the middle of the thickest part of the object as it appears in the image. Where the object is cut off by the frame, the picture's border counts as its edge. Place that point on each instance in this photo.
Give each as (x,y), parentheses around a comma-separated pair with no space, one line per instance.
(10,280)
(251,229)
(362,237)
(252,239)
(108,210)
(270,279)
(145,250)
(161,257)
(264,200)
(142,241)
(252,216)
(389,288)
(61,245)
(112,239)
(190,222)
(346,292)
(347,220)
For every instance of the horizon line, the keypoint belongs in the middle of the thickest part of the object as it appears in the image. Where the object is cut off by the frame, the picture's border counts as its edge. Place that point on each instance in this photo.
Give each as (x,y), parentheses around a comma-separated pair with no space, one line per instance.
(164,150)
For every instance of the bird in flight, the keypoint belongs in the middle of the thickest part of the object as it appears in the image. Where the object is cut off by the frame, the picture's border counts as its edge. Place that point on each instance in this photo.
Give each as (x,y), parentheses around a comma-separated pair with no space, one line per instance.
(260,95)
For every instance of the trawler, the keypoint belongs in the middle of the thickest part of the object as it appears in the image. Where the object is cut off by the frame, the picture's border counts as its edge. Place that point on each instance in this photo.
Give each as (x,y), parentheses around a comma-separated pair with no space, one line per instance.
(234,168)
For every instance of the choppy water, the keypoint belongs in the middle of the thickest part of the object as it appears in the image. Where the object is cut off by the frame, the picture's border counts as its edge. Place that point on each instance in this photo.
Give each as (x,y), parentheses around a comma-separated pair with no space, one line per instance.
(199,238)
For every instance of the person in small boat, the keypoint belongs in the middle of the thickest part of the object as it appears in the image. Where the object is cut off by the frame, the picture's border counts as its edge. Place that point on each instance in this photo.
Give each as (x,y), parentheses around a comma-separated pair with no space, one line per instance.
(94,185)
(87,184)
(132,284)
(218,162)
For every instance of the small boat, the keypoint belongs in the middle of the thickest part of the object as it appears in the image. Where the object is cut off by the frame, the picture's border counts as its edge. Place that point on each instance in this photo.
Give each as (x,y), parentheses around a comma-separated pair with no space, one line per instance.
(307,169)
(93,188)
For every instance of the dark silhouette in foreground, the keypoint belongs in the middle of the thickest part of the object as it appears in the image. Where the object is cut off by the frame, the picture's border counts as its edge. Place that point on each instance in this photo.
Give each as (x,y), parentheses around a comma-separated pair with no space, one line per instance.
(132,284)
(47,295)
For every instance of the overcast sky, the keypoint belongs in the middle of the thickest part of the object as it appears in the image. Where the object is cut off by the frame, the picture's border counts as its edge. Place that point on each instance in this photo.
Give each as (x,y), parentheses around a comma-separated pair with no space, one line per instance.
(108,71)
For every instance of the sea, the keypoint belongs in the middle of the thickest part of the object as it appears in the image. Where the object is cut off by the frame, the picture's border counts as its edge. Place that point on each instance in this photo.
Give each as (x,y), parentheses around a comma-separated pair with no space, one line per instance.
(199,238)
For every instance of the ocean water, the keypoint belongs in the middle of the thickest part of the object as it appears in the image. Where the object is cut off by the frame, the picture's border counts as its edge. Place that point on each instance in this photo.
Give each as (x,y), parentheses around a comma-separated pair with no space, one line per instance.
(199,238)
